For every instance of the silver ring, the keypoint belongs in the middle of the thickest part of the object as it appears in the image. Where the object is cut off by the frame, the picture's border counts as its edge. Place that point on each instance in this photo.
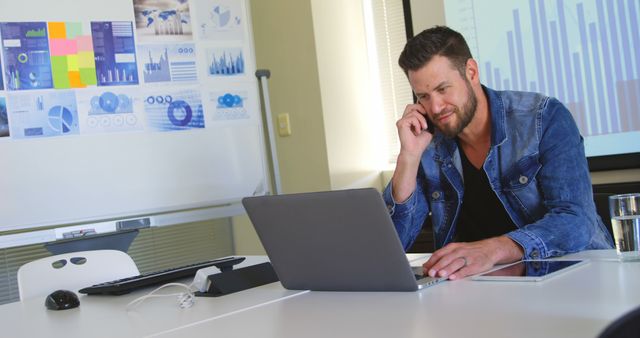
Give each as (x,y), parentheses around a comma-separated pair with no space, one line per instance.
(464,260)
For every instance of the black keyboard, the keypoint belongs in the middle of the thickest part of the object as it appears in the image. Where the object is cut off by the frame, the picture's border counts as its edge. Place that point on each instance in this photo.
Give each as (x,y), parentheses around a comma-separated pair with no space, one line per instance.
(126,285)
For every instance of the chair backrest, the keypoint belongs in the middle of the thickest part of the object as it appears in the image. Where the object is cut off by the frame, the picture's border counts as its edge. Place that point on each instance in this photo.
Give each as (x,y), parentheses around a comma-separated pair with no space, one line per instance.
(73,271)
(626,326)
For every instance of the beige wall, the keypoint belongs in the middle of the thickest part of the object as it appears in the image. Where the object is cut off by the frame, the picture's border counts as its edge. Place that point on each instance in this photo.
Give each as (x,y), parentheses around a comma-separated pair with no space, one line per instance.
(284,44)
(332,142)
(430,12)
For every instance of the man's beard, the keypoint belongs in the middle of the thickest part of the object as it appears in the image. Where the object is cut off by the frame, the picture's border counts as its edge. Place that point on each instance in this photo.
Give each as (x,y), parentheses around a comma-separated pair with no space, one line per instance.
(465,115)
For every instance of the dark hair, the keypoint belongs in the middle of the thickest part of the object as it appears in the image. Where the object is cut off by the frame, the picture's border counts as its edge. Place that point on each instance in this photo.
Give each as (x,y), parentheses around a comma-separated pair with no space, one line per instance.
(438,40)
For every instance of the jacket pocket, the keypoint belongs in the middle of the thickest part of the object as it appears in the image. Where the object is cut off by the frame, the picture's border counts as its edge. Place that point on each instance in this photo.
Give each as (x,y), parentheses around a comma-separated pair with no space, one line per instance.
(522,174)
(520,186)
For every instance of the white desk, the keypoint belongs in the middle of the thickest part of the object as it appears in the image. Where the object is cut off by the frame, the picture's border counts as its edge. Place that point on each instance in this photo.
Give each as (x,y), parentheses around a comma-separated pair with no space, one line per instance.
(105,316)
(579,303)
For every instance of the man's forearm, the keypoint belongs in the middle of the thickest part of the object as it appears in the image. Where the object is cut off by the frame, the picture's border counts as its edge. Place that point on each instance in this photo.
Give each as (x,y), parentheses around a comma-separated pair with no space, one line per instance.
(506,250)
(404,177)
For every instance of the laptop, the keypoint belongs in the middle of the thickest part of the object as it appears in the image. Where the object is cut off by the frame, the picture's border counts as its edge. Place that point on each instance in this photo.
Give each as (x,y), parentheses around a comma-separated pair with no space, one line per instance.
(341,240)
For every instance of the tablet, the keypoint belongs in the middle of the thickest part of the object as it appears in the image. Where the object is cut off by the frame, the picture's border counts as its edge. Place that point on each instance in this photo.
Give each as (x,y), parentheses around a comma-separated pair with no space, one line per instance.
(530,270)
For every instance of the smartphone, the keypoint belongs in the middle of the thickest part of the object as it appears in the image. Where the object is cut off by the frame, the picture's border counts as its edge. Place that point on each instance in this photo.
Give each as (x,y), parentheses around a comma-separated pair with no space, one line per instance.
(430,125)
(430,128)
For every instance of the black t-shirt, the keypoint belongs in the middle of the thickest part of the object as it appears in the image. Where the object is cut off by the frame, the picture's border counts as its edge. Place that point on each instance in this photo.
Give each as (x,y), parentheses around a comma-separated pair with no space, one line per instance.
(482,215)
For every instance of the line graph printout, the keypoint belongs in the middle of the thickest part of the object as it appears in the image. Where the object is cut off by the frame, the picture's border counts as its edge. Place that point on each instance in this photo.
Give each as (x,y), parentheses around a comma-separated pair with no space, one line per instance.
(586,53)
(168,62)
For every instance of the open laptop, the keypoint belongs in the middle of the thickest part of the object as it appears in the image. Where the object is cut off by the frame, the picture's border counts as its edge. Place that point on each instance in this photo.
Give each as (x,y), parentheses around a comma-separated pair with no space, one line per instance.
(340,240)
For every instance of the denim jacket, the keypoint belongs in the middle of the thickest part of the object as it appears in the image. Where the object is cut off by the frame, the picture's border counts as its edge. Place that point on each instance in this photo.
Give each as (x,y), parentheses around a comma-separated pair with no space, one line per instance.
(537,167)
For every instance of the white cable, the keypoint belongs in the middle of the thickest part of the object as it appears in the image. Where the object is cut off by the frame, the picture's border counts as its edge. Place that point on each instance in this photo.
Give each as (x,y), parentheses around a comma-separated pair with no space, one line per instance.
(185,299)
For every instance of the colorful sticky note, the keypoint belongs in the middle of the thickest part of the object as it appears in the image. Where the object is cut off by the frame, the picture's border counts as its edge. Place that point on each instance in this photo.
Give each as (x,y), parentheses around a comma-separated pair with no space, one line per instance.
(62,47)
(57,30)
(74,29)
(85,60)
(72,62)
(85,43)
(75,81)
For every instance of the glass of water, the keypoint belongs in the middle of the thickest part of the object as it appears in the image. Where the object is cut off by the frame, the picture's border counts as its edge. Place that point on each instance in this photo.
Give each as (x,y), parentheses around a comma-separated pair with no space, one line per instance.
(625,220)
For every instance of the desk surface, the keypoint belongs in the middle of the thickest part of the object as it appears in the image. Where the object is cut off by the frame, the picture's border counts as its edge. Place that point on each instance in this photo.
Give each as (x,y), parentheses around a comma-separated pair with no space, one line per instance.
(106,316)
(579,303)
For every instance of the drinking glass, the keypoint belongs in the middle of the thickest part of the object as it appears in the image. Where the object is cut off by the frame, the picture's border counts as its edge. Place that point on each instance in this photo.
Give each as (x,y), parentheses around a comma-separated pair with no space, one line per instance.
(625,221)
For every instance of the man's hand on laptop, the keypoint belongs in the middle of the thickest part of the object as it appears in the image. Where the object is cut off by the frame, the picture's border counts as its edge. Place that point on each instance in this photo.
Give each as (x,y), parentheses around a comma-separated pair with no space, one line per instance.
(459,260)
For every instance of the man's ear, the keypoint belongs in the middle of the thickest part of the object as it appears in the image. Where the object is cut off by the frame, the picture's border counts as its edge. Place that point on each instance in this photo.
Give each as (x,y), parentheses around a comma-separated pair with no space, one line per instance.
(472,71)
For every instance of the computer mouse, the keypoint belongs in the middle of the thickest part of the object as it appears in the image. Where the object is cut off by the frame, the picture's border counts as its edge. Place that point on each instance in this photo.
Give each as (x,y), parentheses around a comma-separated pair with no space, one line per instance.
(62,300)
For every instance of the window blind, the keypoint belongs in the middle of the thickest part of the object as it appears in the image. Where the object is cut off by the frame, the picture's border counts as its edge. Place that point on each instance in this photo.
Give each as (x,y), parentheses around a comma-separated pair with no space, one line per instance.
(389,38)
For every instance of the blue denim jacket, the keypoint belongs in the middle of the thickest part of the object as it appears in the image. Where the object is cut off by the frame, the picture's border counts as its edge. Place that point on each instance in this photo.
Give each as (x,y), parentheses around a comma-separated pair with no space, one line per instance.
(537,167)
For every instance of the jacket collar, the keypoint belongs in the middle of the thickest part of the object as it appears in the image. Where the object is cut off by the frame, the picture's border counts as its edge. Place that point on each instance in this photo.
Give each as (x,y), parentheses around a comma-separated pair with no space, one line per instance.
(446,147)
(498,116)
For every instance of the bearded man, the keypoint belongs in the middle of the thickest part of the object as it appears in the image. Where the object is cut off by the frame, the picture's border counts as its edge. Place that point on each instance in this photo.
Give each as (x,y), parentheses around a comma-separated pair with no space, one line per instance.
(503,175)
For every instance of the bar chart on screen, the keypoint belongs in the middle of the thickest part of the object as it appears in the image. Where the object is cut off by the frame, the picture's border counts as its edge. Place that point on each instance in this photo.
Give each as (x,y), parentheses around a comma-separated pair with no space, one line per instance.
(586,53)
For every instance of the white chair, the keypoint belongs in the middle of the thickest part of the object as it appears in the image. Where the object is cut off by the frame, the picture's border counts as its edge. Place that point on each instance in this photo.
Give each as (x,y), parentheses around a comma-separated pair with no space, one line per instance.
(73,271)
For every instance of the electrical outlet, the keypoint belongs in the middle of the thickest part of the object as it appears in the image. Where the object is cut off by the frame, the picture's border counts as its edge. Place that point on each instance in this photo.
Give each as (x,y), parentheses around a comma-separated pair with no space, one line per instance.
(284,125)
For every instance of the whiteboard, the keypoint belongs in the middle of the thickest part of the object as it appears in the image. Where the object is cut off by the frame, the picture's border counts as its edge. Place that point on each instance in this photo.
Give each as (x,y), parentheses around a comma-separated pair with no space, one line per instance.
(127,143)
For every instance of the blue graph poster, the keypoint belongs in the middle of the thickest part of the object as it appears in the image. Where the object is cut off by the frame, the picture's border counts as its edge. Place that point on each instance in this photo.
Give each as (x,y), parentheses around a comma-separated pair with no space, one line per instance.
(162,20)
(43,114)
(4,118)
(107,110)
(171,109)
(586,53)
(225,62)
(115,53)
(229,105)
(26,55)
(219,19)
(168,62)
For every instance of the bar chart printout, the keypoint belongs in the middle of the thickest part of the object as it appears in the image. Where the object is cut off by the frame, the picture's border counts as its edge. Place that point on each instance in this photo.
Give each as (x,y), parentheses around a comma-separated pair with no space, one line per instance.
(114,51)
(586,53)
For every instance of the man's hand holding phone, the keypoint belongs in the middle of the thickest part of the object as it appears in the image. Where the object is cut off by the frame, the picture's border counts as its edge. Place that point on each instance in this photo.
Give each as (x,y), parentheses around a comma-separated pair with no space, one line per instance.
(414,131)
(414,138)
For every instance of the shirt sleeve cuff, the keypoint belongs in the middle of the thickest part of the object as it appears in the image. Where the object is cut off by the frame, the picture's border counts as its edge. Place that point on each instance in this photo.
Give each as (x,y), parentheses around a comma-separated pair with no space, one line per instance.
(532,245)
(394,207)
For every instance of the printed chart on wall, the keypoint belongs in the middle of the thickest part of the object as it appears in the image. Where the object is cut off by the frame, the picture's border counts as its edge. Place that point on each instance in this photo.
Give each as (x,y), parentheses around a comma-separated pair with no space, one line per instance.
(586,53)
(115,109)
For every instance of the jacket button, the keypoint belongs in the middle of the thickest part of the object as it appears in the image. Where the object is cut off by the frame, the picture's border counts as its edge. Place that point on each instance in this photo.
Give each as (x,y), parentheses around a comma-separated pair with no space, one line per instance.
(523,179)
(535,254)
(435,195)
